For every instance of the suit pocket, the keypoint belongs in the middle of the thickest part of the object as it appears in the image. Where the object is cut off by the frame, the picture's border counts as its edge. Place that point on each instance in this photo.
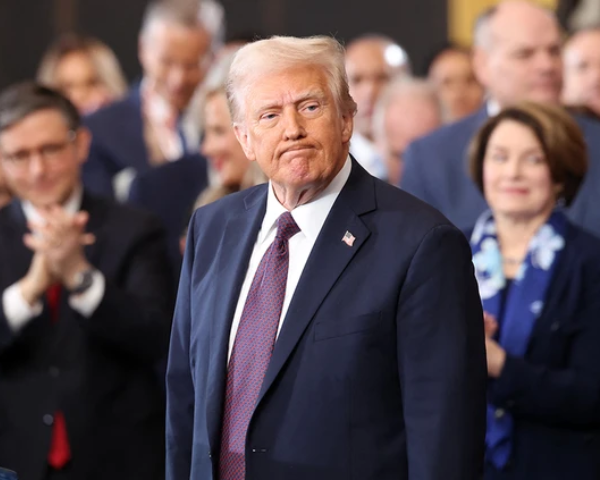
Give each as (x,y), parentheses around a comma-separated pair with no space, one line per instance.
(346,326)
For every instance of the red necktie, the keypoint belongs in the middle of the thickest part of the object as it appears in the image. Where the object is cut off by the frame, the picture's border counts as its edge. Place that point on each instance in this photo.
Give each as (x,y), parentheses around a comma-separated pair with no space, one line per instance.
(252,349)
(60,452)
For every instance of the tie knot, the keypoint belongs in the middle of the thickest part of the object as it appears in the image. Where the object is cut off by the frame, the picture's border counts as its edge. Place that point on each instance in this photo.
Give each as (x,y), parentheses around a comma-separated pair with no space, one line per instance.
(286,227)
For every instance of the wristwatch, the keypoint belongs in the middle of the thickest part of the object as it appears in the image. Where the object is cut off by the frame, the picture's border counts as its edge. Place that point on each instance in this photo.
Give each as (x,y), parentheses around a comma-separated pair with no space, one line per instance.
(83,281)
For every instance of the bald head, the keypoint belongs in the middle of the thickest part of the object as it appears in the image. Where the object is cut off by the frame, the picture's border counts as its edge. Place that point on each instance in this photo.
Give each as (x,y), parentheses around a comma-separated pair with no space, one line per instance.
(371,61)
(582,69)
(517,53)
(407,109)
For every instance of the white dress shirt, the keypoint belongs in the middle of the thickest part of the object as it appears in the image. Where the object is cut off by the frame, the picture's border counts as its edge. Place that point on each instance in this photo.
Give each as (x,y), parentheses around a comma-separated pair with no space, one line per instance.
(310,218)
(368,156)
(16,309)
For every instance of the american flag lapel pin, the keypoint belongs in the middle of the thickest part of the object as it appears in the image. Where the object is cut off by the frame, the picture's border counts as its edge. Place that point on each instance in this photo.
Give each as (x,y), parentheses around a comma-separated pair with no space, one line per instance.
(348,238)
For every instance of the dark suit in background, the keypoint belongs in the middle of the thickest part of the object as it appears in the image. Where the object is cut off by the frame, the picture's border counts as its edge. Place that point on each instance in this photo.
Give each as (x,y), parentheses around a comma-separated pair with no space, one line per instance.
(379,369)
(99,371)
(436,171)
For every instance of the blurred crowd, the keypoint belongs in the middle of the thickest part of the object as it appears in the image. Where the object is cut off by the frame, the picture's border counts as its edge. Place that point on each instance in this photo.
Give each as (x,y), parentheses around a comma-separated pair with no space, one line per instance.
(99,178)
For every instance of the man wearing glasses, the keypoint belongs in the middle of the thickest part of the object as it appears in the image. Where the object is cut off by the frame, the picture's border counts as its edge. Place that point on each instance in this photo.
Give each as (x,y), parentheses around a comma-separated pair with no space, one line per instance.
(84,308)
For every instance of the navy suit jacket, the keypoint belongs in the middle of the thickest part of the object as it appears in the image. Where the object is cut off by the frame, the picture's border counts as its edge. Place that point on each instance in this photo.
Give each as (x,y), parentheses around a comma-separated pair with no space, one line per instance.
(553,392)
(436,171)
(168,191)
(99,371)
(118,143)
(379,368)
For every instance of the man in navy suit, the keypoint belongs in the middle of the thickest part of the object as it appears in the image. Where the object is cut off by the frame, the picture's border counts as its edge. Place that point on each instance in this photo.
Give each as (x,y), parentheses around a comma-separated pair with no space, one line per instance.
(152,125)
(328,325)
(517,57)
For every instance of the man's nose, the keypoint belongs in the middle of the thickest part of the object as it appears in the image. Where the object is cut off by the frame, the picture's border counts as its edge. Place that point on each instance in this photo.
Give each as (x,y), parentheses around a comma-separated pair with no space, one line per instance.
(294,125)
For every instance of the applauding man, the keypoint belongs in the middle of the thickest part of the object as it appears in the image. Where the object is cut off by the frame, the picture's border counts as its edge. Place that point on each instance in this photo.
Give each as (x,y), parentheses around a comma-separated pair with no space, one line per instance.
(85,308)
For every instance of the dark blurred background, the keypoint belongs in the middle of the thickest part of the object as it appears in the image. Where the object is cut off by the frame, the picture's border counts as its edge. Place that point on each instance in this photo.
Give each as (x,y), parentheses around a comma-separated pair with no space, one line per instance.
(28,26)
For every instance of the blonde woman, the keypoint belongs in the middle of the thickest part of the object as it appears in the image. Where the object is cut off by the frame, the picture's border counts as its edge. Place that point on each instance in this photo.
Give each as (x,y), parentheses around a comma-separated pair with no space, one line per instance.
(85,70)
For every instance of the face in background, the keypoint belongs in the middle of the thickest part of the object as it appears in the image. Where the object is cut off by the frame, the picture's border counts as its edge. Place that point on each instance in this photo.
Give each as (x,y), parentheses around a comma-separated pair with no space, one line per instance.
(293,129)
(79,81)
(523,58)
(582,70)
(459,91)
(172,57)
(220,144)
(41,158)
(370,65)
(407,118)
(516,176)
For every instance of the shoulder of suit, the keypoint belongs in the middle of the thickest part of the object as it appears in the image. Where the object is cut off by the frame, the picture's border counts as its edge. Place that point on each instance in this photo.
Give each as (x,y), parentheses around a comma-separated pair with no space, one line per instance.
(127,216)
(448,137)
(411,211)
(123,108)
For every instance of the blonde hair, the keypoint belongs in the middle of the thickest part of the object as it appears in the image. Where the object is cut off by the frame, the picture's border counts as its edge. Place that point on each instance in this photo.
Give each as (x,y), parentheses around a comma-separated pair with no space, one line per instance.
(102,57)
(276,54)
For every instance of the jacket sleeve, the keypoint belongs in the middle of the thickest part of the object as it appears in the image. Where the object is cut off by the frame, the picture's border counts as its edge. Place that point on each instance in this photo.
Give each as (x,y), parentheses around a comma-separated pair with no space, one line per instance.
(180,388)
(414,180)
(566,397)
(134,315)
(441,358)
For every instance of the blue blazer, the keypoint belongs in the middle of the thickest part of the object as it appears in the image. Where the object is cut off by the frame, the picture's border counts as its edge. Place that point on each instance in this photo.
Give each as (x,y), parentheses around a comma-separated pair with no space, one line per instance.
(379,369)
(553,392)
(436,171)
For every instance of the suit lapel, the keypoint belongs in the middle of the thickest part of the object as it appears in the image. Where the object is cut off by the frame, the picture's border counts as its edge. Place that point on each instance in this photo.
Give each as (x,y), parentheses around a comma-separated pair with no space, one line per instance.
(356,198)
(234,255)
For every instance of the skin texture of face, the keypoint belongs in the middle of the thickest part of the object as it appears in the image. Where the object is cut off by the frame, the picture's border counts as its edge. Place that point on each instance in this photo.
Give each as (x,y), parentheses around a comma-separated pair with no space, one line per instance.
(172,57)
(406,119)
(453,77)
(523,58)
(220,144)
(368,73)
(78,79)
(582,70)
(516,177)
(43,179)
(293,129)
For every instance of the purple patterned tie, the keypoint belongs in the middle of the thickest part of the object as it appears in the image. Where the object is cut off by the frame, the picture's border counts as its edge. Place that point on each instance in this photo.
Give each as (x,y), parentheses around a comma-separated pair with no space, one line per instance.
(252,348)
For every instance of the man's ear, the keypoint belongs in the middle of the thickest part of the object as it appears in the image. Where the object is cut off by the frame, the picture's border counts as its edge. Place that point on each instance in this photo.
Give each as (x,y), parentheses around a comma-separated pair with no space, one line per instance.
(480,65)
(83,140)
(347,127)
(241,134)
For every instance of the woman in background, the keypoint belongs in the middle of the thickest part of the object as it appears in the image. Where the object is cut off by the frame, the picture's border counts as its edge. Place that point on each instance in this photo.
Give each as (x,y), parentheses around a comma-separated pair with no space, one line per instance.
(539,280)
(85,70)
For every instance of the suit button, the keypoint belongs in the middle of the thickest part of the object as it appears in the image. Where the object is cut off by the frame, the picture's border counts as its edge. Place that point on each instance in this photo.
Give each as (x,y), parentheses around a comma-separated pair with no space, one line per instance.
(554,327)
(499,413)
(48,419)
(54,371)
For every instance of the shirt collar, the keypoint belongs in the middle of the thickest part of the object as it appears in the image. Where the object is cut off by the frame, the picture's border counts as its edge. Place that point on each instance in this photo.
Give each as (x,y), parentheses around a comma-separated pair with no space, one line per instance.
(493,107)
(311,216)
(71,206)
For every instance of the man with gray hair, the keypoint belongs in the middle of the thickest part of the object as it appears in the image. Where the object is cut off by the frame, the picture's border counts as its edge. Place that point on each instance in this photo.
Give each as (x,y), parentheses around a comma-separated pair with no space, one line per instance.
(328,325)
(372,60)
(407,109)
(151,126)
(517,57)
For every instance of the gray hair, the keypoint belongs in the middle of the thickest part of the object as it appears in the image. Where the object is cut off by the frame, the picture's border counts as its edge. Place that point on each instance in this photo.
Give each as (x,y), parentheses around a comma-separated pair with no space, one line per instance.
(481,29)
(399,58)
(403,87)
(23,99)
(278,53)
(181,12)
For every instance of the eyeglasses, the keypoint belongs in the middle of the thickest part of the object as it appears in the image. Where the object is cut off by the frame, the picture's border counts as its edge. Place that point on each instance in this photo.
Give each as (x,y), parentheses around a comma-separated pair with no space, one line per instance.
(49,152)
